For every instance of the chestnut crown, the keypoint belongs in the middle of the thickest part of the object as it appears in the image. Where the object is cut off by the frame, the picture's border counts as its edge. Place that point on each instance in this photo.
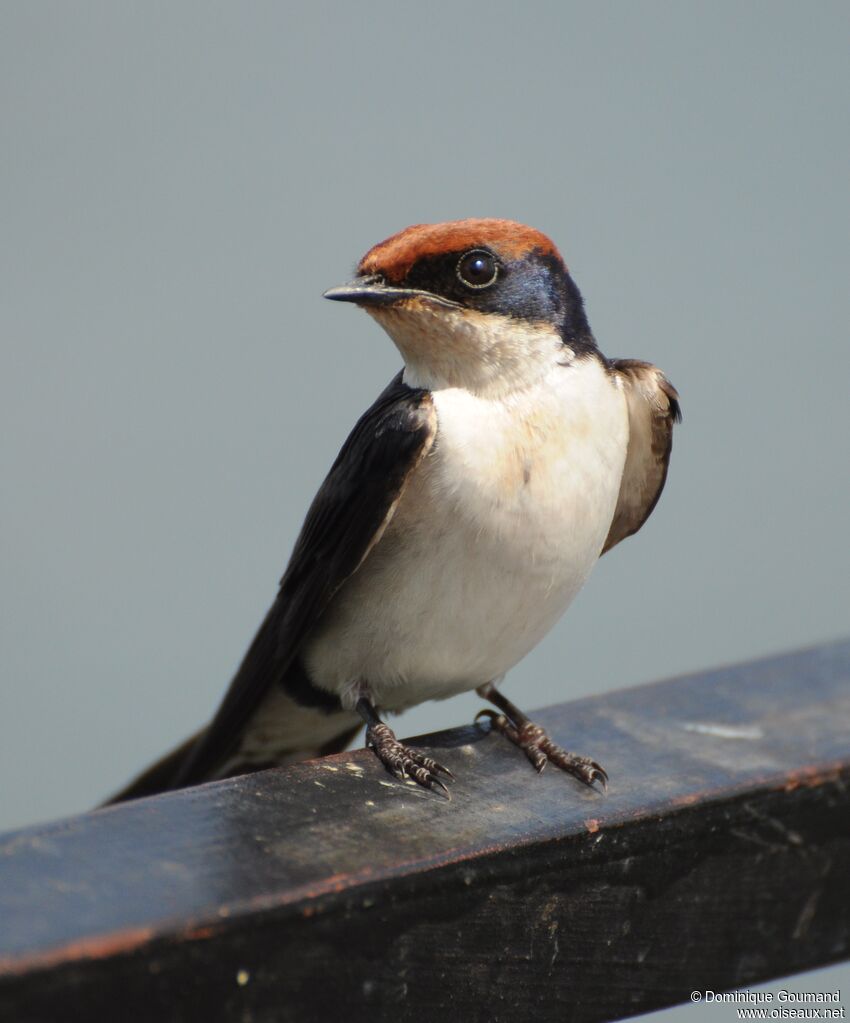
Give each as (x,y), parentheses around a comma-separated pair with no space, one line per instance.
(489,265)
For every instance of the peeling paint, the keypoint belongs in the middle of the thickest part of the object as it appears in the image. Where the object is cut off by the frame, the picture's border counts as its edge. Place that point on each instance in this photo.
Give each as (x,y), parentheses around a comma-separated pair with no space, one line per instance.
(751,732)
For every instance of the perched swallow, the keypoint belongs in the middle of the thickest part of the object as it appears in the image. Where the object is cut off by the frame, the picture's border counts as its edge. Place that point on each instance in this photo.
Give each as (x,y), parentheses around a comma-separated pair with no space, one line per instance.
(462,515)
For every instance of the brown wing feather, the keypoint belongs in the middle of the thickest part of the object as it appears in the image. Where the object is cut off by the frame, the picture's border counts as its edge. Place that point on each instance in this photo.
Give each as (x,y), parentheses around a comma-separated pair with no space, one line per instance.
(653,409)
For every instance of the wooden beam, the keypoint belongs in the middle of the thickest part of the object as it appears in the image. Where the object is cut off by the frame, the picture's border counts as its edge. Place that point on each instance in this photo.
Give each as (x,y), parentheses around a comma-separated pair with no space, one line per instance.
(327,891)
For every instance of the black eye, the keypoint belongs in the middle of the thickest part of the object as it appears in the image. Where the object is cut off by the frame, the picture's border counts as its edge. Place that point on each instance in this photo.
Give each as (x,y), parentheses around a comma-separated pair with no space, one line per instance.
(478,269)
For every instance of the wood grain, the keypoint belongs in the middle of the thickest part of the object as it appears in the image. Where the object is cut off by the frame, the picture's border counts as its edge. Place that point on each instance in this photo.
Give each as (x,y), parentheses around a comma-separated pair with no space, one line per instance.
(720,857)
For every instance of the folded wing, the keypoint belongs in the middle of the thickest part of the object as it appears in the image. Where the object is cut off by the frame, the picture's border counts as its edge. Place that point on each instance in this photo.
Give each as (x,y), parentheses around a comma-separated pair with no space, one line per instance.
(653,406)
(346,519)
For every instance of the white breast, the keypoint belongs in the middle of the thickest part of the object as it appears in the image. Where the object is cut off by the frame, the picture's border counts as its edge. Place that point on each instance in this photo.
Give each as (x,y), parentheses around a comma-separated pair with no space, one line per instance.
(492,539)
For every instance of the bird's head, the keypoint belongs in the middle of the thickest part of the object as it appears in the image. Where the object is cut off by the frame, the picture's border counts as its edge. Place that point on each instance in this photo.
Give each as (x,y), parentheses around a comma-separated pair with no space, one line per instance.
(483,304)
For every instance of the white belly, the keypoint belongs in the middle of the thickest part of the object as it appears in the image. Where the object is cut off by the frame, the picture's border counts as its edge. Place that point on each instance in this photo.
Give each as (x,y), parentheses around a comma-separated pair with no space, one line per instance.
(492,539)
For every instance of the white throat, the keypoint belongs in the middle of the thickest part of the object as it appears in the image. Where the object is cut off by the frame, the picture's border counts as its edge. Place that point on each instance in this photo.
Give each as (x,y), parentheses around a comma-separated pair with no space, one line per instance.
(485,353)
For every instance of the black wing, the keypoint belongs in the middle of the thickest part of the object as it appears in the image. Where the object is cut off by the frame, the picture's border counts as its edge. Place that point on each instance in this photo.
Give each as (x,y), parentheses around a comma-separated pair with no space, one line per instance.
(653,405)
(346,519)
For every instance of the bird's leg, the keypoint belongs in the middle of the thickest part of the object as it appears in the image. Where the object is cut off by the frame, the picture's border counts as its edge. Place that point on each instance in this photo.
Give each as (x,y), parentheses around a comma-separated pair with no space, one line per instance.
(535,743)
(401,761)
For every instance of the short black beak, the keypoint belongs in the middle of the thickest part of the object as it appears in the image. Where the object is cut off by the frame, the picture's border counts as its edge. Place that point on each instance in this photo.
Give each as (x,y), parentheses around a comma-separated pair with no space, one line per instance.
(371,289)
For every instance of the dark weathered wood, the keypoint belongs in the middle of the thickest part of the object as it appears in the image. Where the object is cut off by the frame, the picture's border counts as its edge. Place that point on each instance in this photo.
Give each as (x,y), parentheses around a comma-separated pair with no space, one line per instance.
(326,891)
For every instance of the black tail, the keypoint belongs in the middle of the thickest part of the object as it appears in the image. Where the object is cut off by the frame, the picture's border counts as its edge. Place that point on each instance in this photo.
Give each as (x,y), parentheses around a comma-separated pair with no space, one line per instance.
(159,777)
(165,774)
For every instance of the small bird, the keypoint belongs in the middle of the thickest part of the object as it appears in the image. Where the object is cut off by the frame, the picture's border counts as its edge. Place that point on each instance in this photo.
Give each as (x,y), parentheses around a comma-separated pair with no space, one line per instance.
(461,517)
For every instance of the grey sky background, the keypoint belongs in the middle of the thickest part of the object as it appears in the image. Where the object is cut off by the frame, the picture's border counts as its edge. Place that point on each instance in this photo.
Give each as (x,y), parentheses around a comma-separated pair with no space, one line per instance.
(181,181)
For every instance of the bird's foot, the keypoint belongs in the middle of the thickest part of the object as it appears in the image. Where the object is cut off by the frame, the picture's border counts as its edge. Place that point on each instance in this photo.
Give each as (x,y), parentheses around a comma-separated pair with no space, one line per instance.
(403,761)
(540,749)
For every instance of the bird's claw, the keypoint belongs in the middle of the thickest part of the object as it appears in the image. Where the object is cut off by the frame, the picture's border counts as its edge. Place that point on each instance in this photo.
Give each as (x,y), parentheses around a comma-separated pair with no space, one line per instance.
(405,762)
(540,749)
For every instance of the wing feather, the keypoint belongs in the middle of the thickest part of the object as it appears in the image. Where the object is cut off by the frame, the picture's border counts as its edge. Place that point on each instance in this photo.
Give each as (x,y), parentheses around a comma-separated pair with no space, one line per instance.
(346,519)
(653,405)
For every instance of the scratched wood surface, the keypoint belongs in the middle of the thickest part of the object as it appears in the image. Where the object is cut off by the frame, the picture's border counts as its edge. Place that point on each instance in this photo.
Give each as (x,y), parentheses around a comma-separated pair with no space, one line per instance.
(719,857)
